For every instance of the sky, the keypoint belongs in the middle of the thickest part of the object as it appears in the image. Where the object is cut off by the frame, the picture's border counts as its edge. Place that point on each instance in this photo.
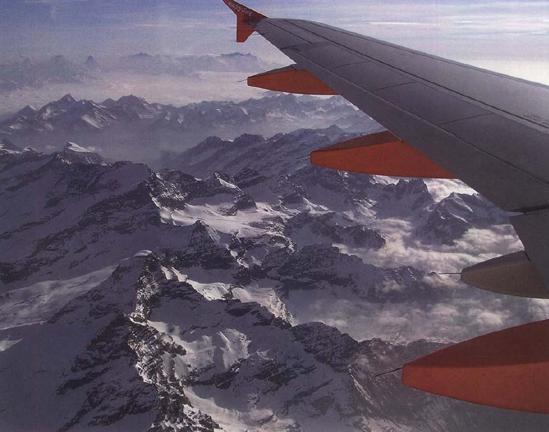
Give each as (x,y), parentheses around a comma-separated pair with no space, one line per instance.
(506,36)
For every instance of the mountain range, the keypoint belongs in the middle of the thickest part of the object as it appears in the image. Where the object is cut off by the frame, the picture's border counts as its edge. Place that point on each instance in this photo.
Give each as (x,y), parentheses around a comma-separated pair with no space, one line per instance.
(130,127)
(239,288)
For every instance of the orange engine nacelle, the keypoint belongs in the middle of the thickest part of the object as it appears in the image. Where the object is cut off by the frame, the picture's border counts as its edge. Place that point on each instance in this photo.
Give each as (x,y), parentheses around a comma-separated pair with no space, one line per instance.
(380,153)
(290,80)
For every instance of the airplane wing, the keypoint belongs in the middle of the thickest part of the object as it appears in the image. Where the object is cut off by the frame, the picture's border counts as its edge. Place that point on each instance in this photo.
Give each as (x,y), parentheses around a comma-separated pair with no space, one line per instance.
(446,119)
(487,129)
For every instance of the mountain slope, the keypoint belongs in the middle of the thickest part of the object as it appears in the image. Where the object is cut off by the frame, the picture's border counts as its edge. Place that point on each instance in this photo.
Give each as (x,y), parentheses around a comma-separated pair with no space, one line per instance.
(145,350)
(246,291)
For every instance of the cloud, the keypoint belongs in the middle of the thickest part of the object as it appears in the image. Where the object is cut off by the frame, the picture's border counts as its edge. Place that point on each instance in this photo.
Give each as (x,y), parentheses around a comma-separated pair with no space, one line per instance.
(468,312)
(403,247)
(390,286)
(488,320)
(445,312)
(440,189)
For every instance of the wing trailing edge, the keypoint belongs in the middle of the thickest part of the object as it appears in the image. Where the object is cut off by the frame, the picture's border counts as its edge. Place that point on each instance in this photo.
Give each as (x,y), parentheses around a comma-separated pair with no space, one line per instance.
(290,79)
(505,369)
(380,153)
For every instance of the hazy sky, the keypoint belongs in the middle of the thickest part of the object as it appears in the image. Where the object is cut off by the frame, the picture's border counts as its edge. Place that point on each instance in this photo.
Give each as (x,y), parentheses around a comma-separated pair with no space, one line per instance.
(509,36)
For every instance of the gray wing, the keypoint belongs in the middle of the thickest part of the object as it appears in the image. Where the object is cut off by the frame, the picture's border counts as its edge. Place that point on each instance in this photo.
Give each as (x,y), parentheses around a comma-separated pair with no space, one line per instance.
(488,129)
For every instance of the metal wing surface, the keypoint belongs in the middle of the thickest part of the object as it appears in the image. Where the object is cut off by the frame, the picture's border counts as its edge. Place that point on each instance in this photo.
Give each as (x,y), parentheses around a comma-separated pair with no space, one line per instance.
(488,129)
(485,128)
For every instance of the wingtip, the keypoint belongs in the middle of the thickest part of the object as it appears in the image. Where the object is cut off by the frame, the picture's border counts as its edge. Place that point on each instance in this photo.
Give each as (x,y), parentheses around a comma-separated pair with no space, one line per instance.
(246,19)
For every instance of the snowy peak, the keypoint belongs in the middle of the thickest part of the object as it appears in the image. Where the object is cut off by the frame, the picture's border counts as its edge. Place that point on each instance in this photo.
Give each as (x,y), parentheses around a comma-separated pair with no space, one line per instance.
(131,100)
(7,147)
(450,218)
(74,153)
(66,100)
(66,115)
(246,140)
(92,64)
(71,147)
(203,236)
(405,197)
(109,353)
(106,203)
(205,250)
(282,153)
(212,349)
(307,229)
(56,108)
(28,112)
(410,187)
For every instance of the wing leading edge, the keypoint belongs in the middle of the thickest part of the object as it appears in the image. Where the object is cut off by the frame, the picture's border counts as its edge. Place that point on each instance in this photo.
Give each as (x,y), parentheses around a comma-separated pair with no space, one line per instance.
(485,128)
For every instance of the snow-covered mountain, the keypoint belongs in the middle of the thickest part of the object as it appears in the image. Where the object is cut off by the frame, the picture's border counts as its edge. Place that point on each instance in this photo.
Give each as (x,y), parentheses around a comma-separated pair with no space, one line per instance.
(132,127)
(148,349)
(239,289)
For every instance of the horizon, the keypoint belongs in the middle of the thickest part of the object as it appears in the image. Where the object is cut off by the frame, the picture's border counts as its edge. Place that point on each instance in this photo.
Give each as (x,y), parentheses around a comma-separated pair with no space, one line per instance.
(505,35)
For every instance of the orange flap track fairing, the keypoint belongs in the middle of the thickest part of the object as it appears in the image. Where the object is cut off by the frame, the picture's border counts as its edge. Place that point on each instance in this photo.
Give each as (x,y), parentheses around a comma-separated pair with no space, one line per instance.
(505,369)
(290,80)
(244,19)
(380,153)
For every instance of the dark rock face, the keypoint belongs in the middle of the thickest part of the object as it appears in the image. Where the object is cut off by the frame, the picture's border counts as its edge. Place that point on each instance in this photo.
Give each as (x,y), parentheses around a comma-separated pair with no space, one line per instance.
(449,219)
(326,226)
(316,263)
(83,205)
(404,197)
(7,146)
(124,367)
(248,177)
(79,208)
(318,339)
(204,250)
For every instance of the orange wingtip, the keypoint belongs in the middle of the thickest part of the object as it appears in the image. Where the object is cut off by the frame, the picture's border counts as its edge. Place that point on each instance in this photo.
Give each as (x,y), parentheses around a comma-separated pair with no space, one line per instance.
(506,369)
(290,80)
(245,19)
(380,153)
